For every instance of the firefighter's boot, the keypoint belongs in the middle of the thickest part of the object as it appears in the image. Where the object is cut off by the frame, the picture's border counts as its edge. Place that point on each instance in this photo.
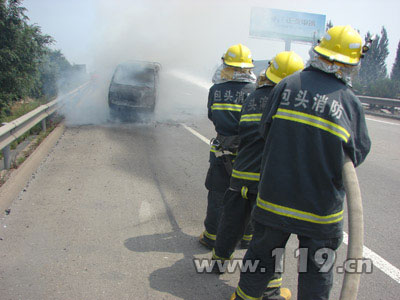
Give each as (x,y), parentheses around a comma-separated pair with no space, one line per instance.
(277,294)
(206,242)
(284,294)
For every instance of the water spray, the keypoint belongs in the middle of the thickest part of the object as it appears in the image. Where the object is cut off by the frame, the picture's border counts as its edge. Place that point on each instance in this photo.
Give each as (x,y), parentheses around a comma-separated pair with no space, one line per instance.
(191,79)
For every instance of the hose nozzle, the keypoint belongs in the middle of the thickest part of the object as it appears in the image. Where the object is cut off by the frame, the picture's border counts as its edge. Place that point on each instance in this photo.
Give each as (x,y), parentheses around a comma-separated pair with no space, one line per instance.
(368,42)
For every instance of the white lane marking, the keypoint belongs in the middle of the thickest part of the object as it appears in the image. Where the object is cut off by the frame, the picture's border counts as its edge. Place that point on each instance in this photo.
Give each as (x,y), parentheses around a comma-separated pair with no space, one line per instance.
(145,212)
(385,122)
(378,261)
(194,132)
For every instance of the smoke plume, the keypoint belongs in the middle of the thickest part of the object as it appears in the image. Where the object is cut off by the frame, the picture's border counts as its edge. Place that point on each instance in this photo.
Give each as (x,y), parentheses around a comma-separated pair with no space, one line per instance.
(186,37)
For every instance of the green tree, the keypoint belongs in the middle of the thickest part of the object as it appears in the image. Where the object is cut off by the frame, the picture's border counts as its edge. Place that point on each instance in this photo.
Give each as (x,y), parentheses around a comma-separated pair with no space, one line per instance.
(373,65)
(53,70)
(395,74)
(22,47)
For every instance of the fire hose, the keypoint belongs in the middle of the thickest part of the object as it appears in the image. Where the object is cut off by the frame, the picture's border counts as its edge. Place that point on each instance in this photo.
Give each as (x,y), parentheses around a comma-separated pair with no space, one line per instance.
(351,281)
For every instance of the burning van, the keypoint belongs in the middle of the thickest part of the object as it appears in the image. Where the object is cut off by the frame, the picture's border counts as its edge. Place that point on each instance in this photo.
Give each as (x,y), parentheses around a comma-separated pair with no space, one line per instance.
(133,88)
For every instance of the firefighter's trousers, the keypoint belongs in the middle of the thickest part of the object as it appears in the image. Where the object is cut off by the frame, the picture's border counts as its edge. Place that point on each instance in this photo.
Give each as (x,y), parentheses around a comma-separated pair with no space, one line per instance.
(217,182)
(312,284)
(234,223)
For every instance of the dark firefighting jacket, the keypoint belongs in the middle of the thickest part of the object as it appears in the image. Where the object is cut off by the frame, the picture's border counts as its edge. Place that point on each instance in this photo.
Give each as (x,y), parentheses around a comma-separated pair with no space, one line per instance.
(311,122)
(224,105)
(246,168)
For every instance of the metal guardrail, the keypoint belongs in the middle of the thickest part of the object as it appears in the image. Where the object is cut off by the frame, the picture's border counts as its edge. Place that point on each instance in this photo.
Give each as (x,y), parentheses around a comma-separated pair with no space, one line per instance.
(13,130)
(379,101)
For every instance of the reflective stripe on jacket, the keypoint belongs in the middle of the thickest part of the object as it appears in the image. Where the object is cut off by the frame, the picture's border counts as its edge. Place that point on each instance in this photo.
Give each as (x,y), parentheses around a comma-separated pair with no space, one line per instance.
(224,106)
(246,175)
(298,214)
(311,120)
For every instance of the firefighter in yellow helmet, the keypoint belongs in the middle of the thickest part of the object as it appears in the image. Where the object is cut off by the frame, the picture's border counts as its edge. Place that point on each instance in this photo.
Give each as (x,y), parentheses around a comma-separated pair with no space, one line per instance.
(233,81)
(240,198)
(312,120)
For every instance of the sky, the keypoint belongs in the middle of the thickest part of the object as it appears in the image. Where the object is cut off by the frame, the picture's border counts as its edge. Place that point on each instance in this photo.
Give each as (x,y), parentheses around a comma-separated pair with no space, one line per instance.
(188,34)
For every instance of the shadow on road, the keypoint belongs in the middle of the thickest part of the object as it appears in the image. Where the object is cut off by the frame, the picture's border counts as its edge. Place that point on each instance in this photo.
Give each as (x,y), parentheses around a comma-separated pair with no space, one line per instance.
(180,279)
(163,154)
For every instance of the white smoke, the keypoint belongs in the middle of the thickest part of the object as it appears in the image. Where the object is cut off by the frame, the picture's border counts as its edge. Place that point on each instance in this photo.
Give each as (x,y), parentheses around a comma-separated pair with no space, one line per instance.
(186,37)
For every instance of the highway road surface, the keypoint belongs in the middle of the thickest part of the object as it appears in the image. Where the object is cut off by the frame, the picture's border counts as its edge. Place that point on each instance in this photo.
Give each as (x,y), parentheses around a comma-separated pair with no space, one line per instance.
(115,210)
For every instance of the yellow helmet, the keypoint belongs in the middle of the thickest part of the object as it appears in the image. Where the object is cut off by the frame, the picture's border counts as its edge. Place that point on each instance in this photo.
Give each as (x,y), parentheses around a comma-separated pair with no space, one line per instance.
(342,44)
(238,56)
(284,64)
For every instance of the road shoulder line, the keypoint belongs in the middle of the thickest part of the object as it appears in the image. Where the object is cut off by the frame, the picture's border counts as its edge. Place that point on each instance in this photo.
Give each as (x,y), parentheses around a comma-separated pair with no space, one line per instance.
(195,133)
(384,122)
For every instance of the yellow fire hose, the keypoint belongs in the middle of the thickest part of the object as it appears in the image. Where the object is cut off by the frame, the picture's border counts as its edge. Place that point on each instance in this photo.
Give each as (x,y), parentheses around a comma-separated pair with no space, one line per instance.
(351,281)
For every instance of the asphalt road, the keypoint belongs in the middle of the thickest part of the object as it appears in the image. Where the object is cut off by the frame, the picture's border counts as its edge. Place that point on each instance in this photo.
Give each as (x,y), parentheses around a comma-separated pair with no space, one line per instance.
(115,210)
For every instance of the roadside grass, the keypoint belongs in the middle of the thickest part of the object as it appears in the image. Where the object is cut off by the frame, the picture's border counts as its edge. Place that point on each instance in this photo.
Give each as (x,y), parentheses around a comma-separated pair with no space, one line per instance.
(18,109)
(21,108)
